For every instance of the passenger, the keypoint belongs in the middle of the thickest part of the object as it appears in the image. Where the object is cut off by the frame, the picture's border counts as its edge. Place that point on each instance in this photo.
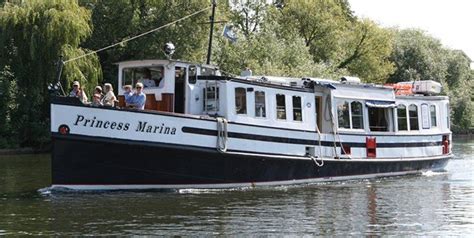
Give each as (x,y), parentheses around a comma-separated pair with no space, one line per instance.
(127,92)
(78,92)
(109,98)
(138,99)
(97,100)
(146,80)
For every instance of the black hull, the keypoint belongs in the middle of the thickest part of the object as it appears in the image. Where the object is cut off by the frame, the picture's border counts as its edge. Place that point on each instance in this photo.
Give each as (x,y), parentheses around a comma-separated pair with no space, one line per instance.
(89,161)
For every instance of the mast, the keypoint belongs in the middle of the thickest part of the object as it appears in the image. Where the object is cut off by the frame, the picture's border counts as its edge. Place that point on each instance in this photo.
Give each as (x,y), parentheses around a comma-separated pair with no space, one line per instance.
(209,49)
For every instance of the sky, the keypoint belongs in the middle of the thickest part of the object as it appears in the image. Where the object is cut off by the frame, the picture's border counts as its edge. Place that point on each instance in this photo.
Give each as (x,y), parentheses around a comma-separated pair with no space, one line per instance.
(451,21)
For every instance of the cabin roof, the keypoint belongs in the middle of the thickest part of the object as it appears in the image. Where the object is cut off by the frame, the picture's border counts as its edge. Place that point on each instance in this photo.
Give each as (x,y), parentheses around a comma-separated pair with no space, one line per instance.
(422,97)
(161,61)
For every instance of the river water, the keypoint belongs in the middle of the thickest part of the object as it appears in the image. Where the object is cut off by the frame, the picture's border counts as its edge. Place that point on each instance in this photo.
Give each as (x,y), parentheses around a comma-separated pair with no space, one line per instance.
(432,204)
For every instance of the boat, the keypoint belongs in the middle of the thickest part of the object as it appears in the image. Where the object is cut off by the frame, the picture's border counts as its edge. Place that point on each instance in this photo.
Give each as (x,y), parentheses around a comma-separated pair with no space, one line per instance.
(202,128)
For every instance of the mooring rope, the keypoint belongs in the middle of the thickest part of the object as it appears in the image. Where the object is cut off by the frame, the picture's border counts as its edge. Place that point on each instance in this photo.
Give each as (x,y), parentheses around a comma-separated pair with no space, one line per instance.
(320,149)
(137,36)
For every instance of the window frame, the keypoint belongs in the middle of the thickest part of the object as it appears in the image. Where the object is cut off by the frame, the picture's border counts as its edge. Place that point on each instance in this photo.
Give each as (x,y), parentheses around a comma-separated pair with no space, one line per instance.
(284,106)
(134,81)
(264,105)
(243,110)
(410,118)
(407,127)
(300,108)
(342,103)
(432,106)
(361,115)
(349,102)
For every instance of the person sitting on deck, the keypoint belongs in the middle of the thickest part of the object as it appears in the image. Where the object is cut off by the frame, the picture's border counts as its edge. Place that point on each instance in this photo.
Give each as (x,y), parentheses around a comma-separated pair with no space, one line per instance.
(138,99)
(78,92)
(97,98)
(109,98)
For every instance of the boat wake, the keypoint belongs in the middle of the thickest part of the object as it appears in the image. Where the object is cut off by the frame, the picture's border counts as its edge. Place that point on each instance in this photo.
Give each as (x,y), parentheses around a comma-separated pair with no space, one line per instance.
(433,173)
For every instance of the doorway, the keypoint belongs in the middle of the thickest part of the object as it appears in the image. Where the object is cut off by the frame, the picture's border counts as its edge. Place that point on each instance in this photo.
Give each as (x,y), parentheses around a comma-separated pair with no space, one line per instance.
(179,92)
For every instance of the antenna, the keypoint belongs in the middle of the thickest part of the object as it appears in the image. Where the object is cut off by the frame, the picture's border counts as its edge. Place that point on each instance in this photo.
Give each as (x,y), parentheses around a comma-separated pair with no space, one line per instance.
(209,49)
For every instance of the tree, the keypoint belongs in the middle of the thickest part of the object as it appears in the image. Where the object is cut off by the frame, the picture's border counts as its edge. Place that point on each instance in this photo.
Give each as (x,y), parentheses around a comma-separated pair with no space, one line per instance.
(116,20)
(336,37)
(319,22)
(418,56)
(367,48)
(33,36)
(269,51)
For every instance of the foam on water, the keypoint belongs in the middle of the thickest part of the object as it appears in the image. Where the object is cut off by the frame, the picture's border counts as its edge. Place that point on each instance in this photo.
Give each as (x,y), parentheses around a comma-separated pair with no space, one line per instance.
(432,173)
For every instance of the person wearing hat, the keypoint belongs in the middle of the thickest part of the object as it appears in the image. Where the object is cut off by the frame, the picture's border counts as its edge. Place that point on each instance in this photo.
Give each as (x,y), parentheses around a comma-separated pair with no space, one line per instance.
(109,98)
(78,92)
(97,96)
(138,99)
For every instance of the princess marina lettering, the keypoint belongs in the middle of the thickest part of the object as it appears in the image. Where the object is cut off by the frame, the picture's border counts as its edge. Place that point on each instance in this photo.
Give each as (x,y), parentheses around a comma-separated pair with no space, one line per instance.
(142,126)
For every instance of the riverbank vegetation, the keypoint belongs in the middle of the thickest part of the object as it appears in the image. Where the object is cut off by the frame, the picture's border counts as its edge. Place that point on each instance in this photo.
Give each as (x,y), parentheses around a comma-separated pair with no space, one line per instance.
(321,38)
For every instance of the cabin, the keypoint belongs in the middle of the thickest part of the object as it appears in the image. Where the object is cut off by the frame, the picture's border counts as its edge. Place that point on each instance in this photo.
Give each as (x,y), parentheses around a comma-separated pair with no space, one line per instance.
(308,104)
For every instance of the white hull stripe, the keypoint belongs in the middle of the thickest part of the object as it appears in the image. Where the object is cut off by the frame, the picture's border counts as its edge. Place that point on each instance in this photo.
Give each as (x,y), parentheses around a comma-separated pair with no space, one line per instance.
(226,185)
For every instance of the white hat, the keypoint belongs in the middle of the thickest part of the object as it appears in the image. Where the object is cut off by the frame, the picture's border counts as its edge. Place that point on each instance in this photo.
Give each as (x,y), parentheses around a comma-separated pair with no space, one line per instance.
(75,83)
(139,85)
(98,87)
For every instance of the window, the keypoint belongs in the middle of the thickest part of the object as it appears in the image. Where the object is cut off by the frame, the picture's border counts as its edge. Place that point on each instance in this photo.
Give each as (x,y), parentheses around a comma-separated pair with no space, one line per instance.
(402,118)
(357,115)
(379,119)
(297,116)
(149,76)
(260,104)
(413,116)
(192,75)
(350,115)
(281,106)
(343,115)
(433,116)
(207,71)
(240,101)
(211,98)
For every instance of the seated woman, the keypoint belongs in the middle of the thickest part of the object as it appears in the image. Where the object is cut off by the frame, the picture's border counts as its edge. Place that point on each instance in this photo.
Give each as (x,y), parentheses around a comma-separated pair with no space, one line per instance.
(97,96)
(109,98)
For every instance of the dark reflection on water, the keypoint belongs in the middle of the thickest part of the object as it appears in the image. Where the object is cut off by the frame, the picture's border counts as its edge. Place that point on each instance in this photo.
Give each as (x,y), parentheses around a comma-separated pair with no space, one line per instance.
(431,204)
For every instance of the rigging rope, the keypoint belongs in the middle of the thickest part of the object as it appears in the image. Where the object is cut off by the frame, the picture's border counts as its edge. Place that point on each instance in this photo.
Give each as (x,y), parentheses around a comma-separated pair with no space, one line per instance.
(138,36)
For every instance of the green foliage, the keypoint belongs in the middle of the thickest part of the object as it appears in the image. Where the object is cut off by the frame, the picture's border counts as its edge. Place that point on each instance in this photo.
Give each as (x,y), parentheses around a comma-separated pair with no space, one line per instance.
(319,38)
(319,23)
(367,48)
(334,36)
(418,56)
(7,105)
(34,34)
(266,47)
(116,20)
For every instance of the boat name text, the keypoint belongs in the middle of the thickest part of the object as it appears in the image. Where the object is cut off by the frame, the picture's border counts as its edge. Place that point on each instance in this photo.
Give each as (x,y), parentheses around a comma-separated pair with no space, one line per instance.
(142,126)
